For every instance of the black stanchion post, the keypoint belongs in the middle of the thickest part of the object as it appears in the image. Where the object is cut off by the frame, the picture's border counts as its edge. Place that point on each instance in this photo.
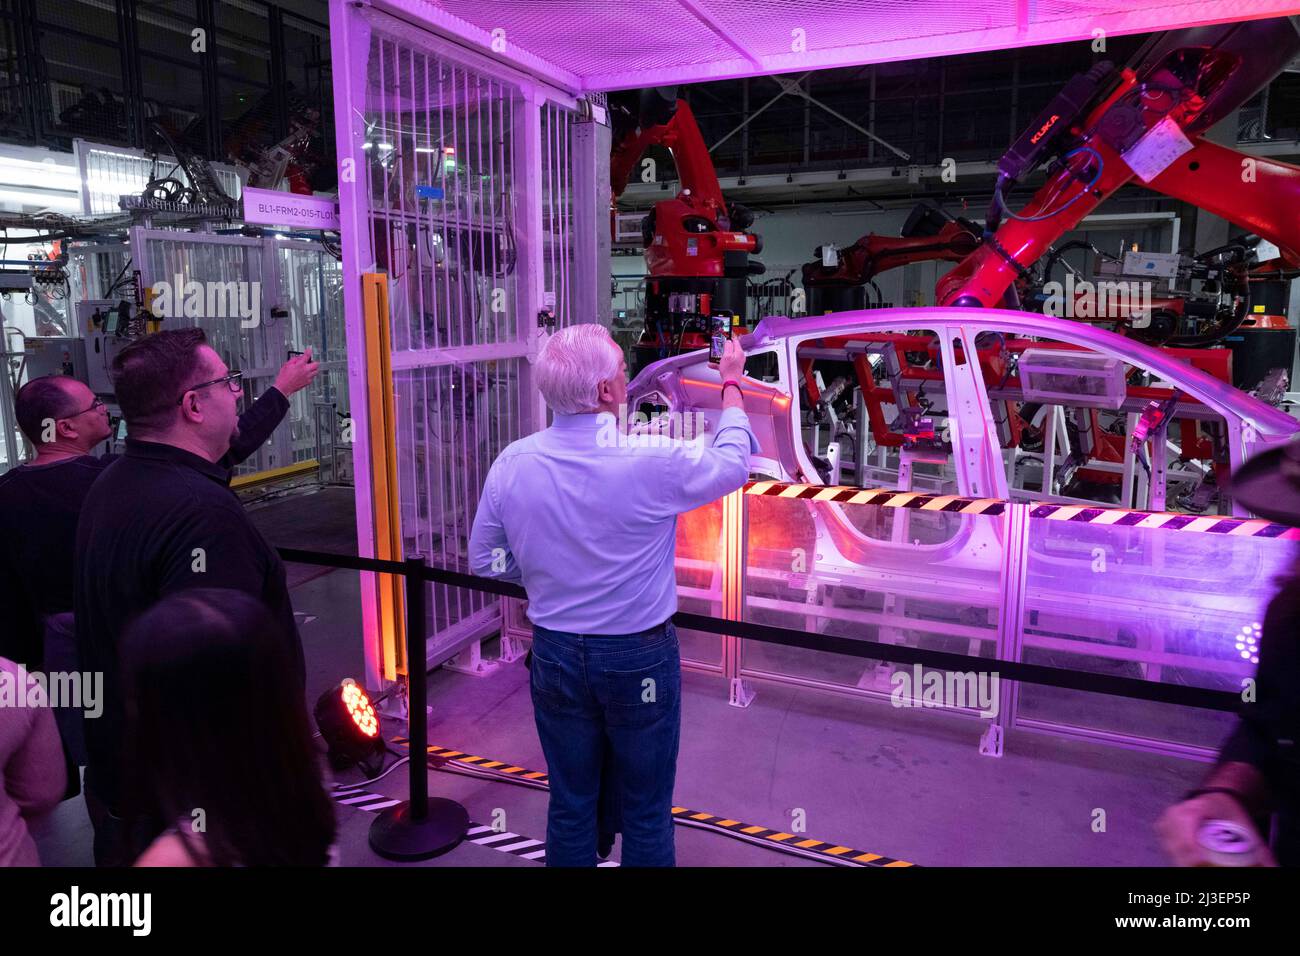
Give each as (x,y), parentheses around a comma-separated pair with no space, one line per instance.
(418,828)
(417,685)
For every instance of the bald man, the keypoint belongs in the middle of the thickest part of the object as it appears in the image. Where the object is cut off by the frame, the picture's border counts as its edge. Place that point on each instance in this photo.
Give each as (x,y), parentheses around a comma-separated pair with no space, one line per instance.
(40,502)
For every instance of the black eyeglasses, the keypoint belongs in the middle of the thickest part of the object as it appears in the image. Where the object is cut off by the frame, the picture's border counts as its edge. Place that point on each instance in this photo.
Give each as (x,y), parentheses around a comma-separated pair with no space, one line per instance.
(97,403)
(234,381)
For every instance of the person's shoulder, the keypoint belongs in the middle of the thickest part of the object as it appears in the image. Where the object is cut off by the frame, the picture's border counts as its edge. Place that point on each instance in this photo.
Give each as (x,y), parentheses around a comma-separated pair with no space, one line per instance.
(13,492)
(153,482)
(168,850)
(520,448)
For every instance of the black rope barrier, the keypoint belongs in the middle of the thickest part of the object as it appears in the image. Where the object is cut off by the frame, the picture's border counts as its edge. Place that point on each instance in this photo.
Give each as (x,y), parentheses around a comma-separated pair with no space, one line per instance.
(1115,686)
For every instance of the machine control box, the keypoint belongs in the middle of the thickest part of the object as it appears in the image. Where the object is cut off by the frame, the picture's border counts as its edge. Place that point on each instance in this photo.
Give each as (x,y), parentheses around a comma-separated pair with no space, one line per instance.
(55,355)
(1059,377)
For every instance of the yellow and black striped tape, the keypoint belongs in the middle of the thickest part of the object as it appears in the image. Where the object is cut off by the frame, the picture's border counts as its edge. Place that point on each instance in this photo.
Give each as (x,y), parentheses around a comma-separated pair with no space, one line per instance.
(837,851)
(843,855)
(1081,514)
(842,494)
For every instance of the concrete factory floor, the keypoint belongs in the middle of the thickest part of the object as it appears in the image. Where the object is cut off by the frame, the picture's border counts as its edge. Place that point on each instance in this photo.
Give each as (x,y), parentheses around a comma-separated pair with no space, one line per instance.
(907,784)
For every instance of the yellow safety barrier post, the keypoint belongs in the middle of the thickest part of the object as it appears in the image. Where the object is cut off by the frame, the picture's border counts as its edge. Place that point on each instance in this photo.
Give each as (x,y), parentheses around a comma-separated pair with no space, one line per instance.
(383,470)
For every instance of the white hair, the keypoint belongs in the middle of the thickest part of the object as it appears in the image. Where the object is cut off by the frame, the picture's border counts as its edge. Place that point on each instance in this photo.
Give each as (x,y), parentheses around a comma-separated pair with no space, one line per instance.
(573,363)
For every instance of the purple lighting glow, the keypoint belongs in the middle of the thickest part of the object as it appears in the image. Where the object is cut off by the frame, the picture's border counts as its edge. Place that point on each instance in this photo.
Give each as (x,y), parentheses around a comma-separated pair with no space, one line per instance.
(614,44)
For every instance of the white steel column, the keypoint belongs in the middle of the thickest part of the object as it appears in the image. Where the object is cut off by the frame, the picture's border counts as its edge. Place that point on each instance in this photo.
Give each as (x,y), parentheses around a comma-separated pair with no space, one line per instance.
(591,146)
(350,54)
(529,251)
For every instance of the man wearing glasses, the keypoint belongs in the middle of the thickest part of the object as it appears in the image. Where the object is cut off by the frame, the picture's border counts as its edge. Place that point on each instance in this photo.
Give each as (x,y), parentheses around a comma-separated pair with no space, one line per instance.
(161,518)
(40,502)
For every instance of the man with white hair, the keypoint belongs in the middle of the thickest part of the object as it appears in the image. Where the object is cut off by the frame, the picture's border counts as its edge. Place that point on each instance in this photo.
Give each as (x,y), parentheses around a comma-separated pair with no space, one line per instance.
(588,527)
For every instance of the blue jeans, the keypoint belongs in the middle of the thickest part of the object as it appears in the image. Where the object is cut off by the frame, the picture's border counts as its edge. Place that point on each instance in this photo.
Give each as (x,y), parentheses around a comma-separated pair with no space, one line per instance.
(604,696)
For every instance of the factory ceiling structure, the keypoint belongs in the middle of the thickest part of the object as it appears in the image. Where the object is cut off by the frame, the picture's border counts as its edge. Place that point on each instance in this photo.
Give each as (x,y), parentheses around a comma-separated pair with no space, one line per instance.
(612,46)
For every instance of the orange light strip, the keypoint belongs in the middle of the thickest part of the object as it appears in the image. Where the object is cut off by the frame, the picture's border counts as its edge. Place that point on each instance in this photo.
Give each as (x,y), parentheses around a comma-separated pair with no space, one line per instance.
(390,603)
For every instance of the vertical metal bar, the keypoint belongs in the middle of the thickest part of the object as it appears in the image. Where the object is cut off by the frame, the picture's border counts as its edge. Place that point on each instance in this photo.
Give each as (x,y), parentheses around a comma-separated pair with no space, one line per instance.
(570,198)
(417,685)
(482,220)
(549,235)
(436,437)
(557,212)
(943,81)
(1048,484)
(465,302)
(744,130)
(441,291)
(807,118)
(1159,458)
(1013,127)
(1130,464)
(32,72)
(560,184)
(417,225)
(129,51)
(528,164)
(469,279)
(506,192)
(515,181)
(735,520)
(1013,596)
(456,316)
(427,280)
(487,174)
(871,115)
(544,179)
(548,232)
(561,214)
(207,16)
(350,46)
(401,237)
(275,34)
(457,472)
(447,424)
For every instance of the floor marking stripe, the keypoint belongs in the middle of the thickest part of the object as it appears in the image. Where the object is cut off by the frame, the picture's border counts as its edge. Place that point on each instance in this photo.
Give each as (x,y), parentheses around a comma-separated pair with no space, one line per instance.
(699,818)
(376,807)
(519,846)
(502,842)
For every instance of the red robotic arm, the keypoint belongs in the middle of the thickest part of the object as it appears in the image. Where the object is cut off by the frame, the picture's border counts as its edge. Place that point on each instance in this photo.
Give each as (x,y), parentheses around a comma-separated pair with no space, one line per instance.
(1150,116)
(695,234)
(697,249)
(680,134)
(873,254)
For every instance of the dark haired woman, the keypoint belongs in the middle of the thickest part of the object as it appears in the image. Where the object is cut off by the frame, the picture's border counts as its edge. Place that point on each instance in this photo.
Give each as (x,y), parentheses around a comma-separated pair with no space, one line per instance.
(220,754)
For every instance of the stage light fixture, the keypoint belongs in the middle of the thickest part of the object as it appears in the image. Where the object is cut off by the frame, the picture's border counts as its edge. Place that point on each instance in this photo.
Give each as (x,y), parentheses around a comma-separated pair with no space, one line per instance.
(349,725)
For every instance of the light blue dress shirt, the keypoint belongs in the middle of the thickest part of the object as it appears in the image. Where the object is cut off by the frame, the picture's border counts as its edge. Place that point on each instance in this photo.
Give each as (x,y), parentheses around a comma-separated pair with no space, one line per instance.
(587,523)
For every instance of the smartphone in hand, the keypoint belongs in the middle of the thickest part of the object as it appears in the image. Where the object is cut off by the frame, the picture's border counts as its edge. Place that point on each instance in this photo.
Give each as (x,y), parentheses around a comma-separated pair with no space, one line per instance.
(719,332)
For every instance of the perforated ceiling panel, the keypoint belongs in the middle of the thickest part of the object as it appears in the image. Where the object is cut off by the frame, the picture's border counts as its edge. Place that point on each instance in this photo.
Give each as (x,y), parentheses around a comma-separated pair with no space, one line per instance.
(614,44)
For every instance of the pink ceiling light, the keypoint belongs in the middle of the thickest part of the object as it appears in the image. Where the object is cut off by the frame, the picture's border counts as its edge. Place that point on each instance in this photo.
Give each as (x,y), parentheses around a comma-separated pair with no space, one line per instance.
(619,44)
